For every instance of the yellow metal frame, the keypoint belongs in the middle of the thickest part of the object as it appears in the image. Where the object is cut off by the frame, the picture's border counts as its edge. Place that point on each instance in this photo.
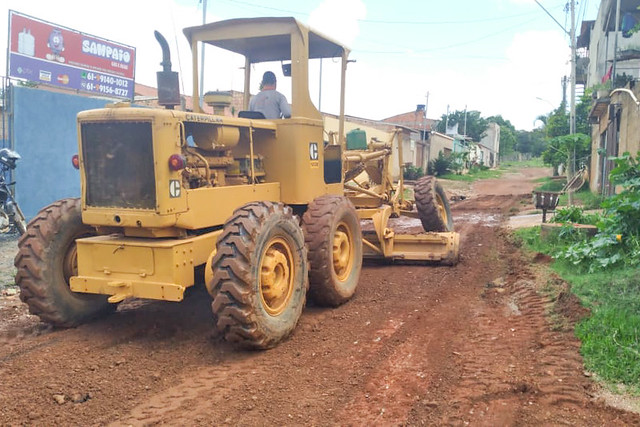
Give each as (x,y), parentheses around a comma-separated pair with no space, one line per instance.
(438,247)
(145,268)
(153,256)
(385,243)
(384,201)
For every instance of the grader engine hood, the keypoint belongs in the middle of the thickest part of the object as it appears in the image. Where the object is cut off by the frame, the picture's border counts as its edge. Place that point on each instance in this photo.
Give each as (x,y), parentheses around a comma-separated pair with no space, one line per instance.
(125,182)
(145,169)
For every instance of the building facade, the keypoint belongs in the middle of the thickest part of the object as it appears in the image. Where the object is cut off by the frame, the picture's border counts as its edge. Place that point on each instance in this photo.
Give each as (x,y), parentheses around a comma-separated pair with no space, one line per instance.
(613,75)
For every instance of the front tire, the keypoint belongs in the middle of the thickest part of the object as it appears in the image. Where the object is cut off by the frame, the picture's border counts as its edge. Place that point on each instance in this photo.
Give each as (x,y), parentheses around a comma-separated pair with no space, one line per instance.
(334,240)
(46,260)
(260,273)
(433,207)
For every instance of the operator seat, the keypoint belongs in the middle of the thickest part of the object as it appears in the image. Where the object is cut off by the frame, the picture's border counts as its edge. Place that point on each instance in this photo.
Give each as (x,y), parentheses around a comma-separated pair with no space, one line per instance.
(250,115)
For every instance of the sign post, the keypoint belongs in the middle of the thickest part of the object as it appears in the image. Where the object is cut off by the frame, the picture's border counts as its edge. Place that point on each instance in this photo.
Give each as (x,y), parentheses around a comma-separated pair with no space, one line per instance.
(43,52)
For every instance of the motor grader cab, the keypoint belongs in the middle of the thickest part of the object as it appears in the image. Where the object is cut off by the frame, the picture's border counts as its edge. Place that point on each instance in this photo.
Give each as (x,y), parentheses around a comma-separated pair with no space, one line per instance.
(260,204)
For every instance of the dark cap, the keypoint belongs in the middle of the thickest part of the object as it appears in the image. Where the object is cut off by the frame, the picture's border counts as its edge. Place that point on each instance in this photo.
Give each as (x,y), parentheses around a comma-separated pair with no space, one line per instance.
(268,78)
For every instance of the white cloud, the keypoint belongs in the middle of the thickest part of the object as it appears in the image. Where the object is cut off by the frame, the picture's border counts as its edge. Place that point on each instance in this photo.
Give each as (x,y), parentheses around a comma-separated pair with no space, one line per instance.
(338,19)
(530,83)
(536,61)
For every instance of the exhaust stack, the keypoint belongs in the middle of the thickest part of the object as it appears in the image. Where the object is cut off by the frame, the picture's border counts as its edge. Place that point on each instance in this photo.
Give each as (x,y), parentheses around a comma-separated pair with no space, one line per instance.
(168,86)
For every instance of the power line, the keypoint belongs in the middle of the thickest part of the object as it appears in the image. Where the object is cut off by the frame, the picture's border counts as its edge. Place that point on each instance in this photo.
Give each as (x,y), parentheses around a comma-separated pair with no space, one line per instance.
(464,43)
(380,21)
(551,16)
(468,21)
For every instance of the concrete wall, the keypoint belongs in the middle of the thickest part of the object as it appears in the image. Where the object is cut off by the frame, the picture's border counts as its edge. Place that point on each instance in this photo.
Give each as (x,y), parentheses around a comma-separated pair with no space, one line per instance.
(45,135)
(628,136)
(491,139)
(438,143)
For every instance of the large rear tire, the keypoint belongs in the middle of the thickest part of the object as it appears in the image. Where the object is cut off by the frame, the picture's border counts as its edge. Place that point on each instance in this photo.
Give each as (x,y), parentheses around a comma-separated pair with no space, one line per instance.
(47,257)
(433,207)
(260,273)
(334,240)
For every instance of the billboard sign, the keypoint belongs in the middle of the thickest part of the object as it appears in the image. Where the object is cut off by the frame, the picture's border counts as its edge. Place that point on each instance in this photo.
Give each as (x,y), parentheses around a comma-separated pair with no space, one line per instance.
(43,52)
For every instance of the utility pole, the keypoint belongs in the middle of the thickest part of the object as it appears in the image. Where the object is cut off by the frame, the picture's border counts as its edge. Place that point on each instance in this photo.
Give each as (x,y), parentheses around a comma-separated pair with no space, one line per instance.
(424,125)
(572,115)
(572,101)
(464,132)
(204,21)
(424,133)
(320,88)
(615,45)
(446,121)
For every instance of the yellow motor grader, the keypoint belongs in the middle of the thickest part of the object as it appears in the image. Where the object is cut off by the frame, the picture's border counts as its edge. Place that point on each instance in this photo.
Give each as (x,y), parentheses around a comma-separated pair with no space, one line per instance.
(260,204)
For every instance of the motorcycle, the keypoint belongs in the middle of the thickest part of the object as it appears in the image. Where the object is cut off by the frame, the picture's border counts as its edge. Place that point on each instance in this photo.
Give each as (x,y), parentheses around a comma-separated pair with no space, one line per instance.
(10,214)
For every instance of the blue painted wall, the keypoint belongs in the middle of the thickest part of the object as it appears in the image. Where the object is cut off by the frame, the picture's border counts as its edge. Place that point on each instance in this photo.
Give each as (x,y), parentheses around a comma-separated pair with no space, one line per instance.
(45,135)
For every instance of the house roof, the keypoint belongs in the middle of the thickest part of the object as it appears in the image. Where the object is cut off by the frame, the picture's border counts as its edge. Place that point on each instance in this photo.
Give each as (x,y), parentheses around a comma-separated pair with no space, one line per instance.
(378,124)
(412,119)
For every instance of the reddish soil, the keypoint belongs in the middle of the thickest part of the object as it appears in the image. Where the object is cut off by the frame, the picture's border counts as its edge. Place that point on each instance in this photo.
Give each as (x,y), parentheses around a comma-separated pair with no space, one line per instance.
(417,345)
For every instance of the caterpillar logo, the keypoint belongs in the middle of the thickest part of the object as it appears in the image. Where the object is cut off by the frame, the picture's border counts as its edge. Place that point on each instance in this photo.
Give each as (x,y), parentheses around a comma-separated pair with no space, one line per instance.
(313,151)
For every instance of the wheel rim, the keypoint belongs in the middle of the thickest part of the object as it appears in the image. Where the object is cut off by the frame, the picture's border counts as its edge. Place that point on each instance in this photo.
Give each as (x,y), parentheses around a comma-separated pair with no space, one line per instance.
(342,251)
(70,262)
(277,273)
(442,210)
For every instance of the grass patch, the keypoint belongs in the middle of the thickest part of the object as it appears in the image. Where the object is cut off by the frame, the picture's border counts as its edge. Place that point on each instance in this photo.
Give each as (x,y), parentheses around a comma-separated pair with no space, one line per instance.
(532,163)
(583,197)
(473,175)
(610,335)
(548,184)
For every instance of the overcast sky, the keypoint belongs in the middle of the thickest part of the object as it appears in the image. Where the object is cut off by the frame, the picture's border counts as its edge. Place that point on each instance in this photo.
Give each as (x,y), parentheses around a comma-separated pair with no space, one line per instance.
(496,56)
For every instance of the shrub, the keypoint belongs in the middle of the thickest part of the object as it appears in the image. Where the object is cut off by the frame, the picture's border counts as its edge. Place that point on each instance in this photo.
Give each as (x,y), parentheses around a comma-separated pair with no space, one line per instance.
(618,238)
(576,215)
(441,165)
(412,172)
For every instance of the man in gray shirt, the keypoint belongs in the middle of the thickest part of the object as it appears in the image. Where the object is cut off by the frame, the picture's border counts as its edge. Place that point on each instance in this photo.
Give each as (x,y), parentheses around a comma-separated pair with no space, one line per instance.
(269,101)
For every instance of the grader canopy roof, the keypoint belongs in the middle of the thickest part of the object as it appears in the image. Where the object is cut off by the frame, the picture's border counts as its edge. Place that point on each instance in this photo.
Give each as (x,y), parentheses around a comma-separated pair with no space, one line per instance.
(263,39)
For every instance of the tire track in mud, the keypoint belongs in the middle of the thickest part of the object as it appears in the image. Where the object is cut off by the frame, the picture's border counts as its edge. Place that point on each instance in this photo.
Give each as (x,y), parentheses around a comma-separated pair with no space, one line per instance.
(513,367)
(416,362)
(429,345)
(328,373)
(233,391)
(190,400)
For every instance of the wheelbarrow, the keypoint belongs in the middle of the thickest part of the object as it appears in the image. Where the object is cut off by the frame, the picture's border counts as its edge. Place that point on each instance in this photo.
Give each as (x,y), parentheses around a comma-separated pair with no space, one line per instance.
(547,201)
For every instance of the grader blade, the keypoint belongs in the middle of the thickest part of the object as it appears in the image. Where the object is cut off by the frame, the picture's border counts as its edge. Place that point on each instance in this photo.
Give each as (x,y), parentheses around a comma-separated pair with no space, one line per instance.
(437,247)
(384,243)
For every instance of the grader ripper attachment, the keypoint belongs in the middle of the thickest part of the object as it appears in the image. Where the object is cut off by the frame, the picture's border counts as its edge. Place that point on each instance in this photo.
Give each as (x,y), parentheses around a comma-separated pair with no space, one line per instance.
(268,209)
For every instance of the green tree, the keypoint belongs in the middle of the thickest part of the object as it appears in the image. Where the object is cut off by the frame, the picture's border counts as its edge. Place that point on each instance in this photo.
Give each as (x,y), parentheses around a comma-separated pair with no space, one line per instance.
(558,122)
(476,126)
(559,143)
(531,142)
(560,147)
(583,107)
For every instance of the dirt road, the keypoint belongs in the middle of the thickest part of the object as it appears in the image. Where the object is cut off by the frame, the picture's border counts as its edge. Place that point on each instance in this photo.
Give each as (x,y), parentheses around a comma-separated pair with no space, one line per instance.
(418,345)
